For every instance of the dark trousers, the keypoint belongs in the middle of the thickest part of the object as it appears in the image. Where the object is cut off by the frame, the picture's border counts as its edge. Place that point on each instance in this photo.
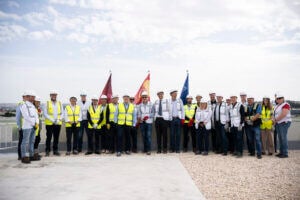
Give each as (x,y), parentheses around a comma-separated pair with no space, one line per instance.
(72,131)
(93,140)
(275,140)
(230,139)
(161,127)
(112,133)
(214,139)
(19,143)
(202,139)
(221,138)
(52,130)
(247,139)
(104,138)
(186,131)
(175,134)
(83,127)
(238,139)
(123,130)
(133,135)
(37,140)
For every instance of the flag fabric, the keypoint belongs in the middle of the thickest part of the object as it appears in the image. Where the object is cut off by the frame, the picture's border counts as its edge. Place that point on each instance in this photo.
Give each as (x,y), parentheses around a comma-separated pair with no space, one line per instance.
(185,90)
(107,90)
(144,87)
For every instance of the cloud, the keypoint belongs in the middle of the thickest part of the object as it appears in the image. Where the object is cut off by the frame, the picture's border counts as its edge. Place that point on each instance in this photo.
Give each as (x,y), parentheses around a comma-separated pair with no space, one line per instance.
(64,2)
(5,16)
(81,38)
(40,35)
(87,51)
(36,18)
(11,32)
(13,4)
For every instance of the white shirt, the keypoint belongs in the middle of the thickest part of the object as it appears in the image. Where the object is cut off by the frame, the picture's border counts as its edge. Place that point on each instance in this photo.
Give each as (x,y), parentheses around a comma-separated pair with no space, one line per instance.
(55,109)
(84,109)
(177,109)
(29,114)
(145,110)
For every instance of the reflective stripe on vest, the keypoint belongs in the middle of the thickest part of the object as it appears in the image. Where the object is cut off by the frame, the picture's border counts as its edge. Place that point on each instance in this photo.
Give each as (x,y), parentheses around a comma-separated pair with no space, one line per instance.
(73,116)
(112,111)
(95,116)
(125,117)
(189,111)
(50,112)
(103,122)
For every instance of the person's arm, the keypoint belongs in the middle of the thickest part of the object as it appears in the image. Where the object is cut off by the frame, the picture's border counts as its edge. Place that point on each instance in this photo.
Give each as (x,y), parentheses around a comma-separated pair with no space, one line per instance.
(18,117)
(107,113)
(45,112)
(80,115)
(62,111)
(89,118)
(66,115)
(258,113)
(26,116)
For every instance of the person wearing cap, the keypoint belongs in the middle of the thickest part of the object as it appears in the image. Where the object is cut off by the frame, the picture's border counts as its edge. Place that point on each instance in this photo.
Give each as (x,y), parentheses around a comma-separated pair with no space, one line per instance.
(94,120)
(113,131)
(252,126)
(19,121)
(161,110)
(177,120)
(203,126)
(30,124)
(211,105)
(243,96)
(282,120)
(134,128)
(126,117)
(221,117)
(237,118)
(84,106)
(230,138)
(37,104)
(53,114)
(145,118)
(104,124)
(73,117)
(188,126)
(266,126)
(198,99)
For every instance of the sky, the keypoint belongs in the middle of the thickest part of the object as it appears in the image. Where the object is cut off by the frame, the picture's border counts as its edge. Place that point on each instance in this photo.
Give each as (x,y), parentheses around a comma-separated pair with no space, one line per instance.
(227,46)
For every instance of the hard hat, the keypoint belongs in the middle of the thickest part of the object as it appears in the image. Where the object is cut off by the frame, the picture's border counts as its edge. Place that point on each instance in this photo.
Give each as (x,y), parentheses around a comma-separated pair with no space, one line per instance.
(210,93)
(72,97)
(266,97)
(219,95)
(29,93)
(198,95)
(83,93)
(115,96)
(160,91)
(203,100)
(250,97)
(189,97)
(243,94)
(144,93)
(172,91)
(125,95)
(233,95)
(279,95)
(94,97)
(103,96)
(53,92)
(37,98)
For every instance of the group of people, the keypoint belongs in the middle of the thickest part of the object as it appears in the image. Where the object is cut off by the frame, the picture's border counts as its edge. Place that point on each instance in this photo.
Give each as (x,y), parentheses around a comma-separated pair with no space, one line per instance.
(112,127)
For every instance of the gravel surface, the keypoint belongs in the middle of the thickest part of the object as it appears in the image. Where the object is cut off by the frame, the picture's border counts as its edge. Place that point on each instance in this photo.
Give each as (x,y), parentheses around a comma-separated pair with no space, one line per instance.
(227,177)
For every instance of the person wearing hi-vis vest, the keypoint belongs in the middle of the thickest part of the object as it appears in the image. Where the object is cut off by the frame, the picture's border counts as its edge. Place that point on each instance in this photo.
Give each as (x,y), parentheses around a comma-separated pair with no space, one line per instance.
(73,117)
(266,126)
(53,113)
(94,120)
(30,124)
(104,124)
(188,126)
(145,119)
(126,118)
(252,126)
(161,110)
(221,117)
(37,103)
(113,131)
(177,120)
(19,120)
(282,120)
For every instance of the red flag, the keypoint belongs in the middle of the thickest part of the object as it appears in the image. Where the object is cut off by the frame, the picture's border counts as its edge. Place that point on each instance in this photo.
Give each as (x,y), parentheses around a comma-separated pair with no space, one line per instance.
(107,90)
(144,87)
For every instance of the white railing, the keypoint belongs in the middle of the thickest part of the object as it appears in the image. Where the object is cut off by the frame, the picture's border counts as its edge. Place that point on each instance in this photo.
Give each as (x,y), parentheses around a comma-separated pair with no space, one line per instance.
(6,137)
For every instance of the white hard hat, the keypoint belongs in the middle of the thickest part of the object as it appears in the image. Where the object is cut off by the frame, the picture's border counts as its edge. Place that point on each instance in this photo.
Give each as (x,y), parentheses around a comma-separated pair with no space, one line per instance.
(266,97)
(115,96)
(172,91)
(126,95)
(189,97)
(219,95)
(53,92)
(29,93)
(144,93)
(250,97)
(37,98)
(198,95)
(279,95)
(94,97)
(211,92)
(72,97)
(233,95)
(203,100)
(160,91)
(243,94)
(103,96)
(83,93)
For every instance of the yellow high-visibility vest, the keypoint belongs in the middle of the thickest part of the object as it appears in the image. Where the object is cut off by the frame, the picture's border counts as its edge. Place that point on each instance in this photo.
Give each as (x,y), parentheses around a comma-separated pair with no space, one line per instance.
(40,121)
(103,122)
(95,116)
(189,111)
(50,112)
(73,116)
(19,105)
(266,118)
(125,117)
(112,111)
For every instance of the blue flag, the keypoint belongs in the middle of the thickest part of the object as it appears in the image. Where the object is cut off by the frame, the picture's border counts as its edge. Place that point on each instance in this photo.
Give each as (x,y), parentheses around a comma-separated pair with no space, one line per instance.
(185,90)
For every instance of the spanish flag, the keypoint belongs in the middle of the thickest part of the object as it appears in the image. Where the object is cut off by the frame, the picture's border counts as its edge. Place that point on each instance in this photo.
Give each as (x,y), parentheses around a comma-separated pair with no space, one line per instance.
(144,87)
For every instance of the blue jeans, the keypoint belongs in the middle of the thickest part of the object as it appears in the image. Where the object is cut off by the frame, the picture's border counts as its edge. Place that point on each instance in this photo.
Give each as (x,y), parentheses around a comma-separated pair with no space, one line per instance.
(238,139)
(254,136)
(175,134)
(28,140)
(146,130)
(282,131)
(83,126)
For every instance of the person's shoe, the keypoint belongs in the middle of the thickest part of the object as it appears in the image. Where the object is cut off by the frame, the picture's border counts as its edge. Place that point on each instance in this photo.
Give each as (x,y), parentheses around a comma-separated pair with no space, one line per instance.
(75,152)
(224,154)
(235,153)
(194,150)
(25,160)
(36,156)
(118,154)
(239,155)
(177,151)
(19,158)
(263,153)
(198,153)
(252,154)
(97,152)
(205,153)
(148,153)
(88,153)
(56,153)
(259,157)
(127,152)
(134,151)
(79,150)
(283,156)
(103,151)
(47,154)
(159,151)
(185,150)
(68,153)
(165,151)
(278,155)
(270,154)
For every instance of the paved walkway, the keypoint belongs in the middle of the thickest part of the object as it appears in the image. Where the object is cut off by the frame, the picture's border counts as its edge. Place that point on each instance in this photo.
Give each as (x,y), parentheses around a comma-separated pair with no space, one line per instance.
(96,177)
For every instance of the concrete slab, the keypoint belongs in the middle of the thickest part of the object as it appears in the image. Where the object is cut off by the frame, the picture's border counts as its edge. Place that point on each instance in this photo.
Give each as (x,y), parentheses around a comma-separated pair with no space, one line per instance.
(97,177)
